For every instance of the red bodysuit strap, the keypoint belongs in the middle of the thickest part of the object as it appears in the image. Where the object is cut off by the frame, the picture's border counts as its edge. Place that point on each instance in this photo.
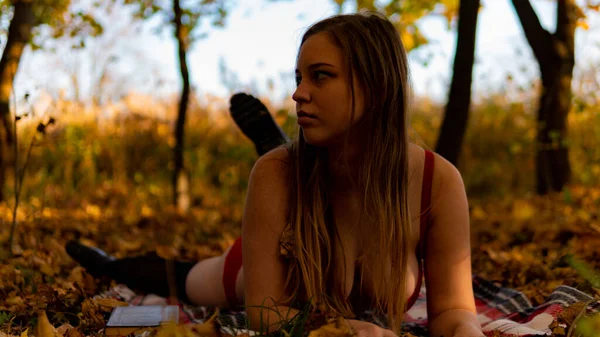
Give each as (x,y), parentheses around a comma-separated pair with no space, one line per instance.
(426,198)
(425,217)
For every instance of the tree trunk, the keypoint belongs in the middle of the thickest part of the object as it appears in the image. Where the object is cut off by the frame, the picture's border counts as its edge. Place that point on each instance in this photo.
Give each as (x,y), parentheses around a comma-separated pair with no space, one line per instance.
(179,179)
(555,54)
(456,115)
(19,34)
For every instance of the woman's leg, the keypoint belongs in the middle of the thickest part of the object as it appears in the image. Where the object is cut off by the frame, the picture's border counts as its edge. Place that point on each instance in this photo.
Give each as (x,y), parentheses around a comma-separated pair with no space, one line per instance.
(255,121)
(146,273)
(201,283)
(206,286)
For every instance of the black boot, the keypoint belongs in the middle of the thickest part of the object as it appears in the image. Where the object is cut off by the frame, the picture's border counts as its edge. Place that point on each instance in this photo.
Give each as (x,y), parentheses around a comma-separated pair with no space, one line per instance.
(146,273)
(94,260)
(255,121)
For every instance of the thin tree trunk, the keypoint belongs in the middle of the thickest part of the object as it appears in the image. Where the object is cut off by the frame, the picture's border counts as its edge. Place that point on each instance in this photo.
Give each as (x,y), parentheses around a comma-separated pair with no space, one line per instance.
(555,54)
(456,115)
(19,34)
(179,179)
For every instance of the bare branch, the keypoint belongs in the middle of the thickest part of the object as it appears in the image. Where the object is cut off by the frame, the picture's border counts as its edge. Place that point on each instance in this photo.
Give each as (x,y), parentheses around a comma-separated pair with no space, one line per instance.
(539,39)
(566,17)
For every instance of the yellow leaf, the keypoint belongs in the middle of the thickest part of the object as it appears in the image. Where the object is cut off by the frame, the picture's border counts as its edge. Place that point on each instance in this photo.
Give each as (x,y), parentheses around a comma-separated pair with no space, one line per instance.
(43,327)
(147,211)
(523,210)
(584,215)
(93,211)
(47,269)
(14,300)
(129,245)
(205,329)
(110,303)
(478,213)
(583,25)
(335,328)
(24,333)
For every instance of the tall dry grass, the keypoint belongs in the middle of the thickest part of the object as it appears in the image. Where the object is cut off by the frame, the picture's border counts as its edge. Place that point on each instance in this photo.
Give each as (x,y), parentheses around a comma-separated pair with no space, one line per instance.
(93,154)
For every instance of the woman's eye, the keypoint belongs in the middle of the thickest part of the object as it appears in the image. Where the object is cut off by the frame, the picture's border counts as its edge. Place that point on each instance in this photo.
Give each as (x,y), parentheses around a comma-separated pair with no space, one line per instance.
(298,80)
(320,75)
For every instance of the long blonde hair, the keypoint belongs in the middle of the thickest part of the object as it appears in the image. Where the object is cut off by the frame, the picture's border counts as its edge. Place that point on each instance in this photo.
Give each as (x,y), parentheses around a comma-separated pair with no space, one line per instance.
(375,55)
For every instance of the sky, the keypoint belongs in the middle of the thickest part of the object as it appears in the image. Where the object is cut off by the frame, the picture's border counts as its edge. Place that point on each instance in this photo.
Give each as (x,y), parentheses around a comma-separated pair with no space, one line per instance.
(259,44)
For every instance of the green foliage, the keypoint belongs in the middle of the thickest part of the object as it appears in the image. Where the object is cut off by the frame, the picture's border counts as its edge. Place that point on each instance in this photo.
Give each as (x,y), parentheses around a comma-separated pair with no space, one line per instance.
(82,153)
(588,326)
(585,270)
(5,317)
(57,18)
(405,14)
(498,152)
(193,14)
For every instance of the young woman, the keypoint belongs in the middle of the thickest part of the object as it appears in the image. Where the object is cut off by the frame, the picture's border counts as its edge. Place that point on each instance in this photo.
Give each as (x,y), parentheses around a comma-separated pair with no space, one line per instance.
(351,215)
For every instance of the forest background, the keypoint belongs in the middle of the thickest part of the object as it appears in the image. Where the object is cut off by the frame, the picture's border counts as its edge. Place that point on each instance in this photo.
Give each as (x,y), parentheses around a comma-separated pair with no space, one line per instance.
(116,131)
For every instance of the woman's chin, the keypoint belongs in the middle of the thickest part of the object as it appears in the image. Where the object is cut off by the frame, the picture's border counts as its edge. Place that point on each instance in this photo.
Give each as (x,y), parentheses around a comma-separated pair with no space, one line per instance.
(314,140)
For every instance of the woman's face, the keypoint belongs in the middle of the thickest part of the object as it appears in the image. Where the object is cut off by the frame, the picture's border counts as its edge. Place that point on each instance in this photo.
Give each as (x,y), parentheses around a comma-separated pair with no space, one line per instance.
(323,97)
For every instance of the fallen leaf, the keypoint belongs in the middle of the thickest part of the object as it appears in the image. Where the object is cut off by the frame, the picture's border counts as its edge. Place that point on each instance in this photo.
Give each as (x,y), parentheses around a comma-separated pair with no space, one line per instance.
(43,327)
(14,300)
(557,329)
(523,210)
(570,313)
(336,327)
(74,332)
(64,328)
(478,213)
(110,303)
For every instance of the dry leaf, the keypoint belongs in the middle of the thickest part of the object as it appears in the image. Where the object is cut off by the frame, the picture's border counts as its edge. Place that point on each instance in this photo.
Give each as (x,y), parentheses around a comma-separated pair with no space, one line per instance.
(178,330)
(336,327)
(557,329)
(43,327)
(110,303)
(61,330)
(523,210)
(92,317)
(74,332)
(408,334)
(478,213)
(570,313)
(14,300)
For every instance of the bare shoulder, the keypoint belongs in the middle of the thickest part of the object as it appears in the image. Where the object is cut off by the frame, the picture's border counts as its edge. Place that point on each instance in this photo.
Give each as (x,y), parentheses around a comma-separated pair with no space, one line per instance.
(268,190)
(416,157)
(447,180)
(271,168)
(276,159)
(448,196)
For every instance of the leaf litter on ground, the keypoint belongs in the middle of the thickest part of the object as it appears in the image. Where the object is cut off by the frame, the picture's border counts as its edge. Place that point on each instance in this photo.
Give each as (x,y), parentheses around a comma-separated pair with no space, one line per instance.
(529,243)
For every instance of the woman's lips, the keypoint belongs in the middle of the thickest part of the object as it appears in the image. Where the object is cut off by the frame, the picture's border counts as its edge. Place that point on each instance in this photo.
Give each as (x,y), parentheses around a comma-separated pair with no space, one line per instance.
(305,119)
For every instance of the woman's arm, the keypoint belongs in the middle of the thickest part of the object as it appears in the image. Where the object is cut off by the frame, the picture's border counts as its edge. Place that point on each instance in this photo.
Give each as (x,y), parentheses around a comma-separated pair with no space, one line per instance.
(263,222)
(450,300)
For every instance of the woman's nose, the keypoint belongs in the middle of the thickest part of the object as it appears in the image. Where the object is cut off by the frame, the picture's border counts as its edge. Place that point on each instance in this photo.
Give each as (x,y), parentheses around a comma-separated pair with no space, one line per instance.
(301,94)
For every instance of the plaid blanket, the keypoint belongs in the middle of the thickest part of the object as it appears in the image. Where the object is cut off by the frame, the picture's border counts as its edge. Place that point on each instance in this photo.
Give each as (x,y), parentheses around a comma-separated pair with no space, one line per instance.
(499,309)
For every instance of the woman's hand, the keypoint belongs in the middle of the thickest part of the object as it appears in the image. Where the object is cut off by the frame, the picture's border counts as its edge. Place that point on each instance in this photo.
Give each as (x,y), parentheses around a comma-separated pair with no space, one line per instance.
(366,329)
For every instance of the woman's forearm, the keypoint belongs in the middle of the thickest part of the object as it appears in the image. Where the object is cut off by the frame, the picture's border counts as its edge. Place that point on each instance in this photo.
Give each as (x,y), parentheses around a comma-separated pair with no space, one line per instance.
(455,322)
(266,319)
